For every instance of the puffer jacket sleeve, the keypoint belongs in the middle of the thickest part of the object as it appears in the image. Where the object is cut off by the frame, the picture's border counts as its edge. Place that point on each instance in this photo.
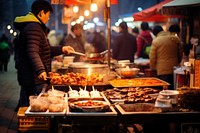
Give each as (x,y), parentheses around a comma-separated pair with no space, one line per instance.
(34,36)
(56,50)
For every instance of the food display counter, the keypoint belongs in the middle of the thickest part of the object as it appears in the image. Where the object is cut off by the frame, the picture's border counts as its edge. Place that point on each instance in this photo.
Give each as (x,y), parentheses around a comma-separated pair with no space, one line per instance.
(115,105)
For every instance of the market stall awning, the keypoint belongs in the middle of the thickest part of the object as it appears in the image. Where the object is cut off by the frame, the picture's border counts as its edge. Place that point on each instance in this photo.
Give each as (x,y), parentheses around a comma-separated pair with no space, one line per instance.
(74,2)
(179,7)
(181,3)
(152,14)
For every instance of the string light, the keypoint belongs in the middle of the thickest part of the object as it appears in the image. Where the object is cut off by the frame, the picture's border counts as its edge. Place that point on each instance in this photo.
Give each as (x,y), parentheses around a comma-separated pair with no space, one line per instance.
(86,13)
(75,9)
(93,7)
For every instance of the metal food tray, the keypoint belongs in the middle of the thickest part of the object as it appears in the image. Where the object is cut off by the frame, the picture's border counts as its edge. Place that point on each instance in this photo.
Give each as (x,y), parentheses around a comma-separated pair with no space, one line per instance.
(76,87)
(47,113)
(129,83)
(111,111)
(124,112)
(79,85)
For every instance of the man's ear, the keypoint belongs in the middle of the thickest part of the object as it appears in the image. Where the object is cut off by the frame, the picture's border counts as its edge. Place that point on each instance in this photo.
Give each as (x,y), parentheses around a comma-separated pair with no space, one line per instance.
(40,13)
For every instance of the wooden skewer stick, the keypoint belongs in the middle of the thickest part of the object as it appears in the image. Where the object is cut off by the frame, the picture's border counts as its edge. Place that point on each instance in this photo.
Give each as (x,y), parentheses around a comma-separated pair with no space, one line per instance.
(70,88)
(52,88)
(93,88)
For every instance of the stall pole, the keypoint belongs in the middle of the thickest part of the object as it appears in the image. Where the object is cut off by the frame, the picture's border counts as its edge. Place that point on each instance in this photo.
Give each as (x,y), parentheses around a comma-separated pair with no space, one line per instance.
(109,31)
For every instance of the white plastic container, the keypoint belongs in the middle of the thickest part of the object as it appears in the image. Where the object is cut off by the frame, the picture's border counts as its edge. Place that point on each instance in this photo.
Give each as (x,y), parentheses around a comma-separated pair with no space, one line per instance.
(67,60)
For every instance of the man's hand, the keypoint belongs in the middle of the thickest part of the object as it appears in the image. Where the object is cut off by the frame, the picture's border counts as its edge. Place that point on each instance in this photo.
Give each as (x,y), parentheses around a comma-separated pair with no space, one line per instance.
(67,49)
(43,76)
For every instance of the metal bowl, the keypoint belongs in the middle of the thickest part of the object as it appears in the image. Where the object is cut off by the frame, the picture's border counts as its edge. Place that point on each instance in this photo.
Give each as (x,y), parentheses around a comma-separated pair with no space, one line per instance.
(127,72)
(124,65)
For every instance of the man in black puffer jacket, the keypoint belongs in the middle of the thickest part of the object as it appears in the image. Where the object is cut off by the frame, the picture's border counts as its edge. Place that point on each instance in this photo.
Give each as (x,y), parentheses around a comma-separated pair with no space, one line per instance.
(34,51)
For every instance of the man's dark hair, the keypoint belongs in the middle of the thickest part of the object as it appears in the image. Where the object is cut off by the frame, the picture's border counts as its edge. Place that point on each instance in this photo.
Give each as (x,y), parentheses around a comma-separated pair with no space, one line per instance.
(135,30)
(39,5)
(144,26)
(157,29)
(76,26)
(175,28)
(124,26)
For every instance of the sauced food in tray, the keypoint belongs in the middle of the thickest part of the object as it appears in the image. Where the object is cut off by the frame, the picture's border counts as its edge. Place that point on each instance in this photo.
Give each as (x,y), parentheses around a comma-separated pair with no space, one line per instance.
(89,105)
(131,95)
(137,82)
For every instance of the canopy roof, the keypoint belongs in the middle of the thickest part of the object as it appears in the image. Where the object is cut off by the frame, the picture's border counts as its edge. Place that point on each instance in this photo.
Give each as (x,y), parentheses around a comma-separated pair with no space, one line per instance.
(152,14)
(179,7)
(181,3)
(74,2)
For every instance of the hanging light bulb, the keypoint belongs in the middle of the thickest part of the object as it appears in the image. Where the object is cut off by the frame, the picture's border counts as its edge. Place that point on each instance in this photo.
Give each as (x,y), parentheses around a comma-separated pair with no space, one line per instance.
(86,13)
(96,20)
(75,9)
(81,18)
(93,7)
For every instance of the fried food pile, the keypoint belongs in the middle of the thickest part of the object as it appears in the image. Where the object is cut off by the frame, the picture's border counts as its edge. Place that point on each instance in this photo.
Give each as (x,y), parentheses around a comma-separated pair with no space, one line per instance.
(189,98)
(75,78)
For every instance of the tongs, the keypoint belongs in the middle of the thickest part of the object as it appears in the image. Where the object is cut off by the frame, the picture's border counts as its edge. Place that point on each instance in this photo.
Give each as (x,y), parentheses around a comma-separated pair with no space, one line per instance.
(78,53)
(104,52)
(91,55)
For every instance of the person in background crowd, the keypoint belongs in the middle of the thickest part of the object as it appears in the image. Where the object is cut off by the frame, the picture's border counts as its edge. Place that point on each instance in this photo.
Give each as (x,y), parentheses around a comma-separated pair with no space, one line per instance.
(4,53)
(174,29)
(99,42)
(135,31)
(165,54)
(125,44)
(52,38)
(75,40)
(114,34)
(34,51)
(143,39)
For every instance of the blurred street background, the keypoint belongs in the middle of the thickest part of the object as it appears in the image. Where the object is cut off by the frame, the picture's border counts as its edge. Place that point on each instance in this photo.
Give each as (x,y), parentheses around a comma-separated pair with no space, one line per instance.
(9,93)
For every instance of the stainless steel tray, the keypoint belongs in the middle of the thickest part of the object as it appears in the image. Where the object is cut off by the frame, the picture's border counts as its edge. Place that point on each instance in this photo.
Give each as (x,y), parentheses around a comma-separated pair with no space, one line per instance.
(127,109)
(138,82)
(47,113)
(111,111)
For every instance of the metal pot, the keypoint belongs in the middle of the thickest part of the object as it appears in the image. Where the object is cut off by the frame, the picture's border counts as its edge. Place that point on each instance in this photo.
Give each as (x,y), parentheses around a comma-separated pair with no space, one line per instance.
(85,68)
